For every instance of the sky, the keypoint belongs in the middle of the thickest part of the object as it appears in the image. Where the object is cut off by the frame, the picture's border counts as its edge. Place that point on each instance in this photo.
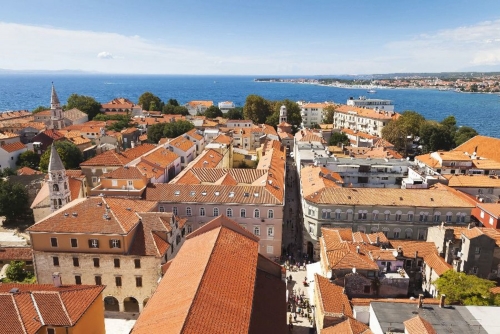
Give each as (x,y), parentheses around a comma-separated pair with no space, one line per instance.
(258,37)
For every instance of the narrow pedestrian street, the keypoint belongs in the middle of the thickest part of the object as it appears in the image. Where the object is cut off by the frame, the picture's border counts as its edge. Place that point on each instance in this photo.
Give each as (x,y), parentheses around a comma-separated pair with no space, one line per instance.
(292,257)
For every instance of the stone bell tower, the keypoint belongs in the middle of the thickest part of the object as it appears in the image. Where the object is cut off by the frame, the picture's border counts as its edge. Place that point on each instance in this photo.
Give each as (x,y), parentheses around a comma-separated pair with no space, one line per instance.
(56,112)
(58,182)
(283,114)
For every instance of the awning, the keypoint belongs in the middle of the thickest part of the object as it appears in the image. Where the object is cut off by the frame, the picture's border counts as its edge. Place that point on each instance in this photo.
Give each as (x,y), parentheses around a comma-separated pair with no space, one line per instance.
(353,166)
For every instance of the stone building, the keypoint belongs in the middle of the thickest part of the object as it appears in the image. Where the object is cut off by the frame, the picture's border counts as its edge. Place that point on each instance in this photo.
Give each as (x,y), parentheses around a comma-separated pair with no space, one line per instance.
(114,242)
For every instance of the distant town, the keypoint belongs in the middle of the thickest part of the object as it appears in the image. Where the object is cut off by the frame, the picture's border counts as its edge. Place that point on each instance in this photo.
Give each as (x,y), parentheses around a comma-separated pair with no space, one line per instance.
(152,216)
(459,82)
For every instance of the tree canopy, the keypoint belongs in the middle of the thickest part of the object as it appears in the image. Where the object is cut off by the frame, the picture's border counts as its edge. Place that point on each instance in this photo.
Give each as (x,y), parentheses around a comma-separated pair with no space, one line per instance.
(119,123)
(235,113)
(339,138)
(13,200)
(328,113)
(17,273)
(70,155)
(257,109)
(464,289)
(84,103)
(28,159)
(463,134)
(212,112)
(444,135)
(172,109)
(150,102)
(168,130)
(292,110)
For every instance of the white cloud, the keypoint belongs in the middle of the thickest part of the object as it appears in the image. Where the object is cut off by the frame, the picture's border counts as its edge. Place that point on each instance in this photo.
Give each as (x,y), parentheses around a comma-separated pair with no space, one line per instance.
(104,55)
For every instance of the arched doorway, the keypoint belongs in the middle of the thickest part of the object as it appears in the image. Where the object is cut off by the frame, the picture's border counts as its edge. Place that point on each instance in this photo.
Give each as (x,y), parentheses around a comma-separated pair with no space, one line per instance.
(130,304)
(310,250)
(111,304)
(145,302)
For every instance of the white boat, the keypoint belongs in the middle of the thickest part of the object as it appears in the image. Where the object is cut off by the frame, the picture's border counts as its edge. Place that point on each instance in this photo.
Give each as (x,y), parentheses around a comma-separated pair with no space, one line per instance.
(371,91)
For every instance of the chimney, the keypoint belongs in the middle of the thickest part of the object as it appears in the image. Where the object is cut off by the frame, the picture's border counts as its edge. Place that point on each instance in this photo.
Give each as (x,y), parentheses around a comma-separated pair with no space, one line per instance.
(377,240)
(416,255)
(469,226)
(420,301)
(357,249)
(56,279)
(442,300)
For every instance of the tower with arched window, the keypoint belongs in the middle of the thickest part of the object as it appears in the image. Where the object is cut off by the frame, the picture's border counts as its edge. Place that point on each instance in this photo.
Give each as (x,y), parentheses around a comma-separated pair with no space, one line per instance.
(56,112)
(58,182)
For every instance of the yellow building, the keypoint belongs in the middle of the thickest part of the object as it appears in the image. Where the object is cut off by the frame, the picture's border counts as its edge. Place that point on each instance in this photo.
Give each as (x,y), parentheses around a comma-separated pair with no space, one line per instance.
(51,308)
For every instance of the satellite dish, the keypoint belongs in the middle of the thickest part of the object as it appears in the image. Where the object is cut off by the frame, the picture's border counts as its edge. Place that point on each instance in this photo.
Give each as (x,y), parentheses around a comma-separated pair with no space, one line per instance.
(395,253)
(329,275)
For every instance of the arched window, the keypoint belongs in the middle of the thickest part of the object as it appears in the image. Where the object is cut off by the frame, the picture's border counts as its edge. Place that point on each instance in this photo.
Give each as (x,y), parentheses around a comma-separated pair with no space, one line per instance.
(375,215)
(449,216)
(55,187)
(397,230)
(59,201)
(216,212)
(188,211)
(256,213)
(190,229)
(437,216)
(387,215)
(229,212)
(398,215)
(243,213)
(65,185)
(270,214)
(408,233)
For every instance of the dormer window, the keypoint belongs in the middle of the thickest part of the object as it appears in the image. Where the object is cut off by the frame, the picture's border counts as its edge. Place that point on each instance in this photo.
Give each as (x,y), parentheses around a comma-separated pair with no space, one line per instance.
(177,192)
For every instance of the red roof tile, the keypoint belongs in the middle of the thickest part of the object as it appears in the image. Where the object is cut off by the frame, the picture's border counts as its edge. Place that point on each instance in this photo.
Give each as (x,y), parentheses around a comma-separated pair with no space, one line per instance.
(16,253)
(13,147)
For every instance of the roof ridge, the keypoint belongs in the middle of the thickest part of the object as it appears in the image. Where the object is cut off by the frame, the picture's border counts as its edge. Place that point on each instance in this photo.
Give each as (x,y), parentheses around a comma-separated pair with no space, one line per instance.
(64,308)
(113,214)
(21,322)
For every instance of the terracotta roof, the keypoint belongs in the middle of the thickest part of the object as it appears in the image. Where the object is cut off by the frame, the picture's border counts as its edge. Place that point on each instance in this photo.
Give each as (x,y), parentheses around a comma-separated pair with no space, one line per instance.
(222,139)
(452,156)
(150,236)
(130,173)
(160,157)
(129,130)
(13,147)
(366,112)
(475,181)
(113,158)
(75,173)
(200,103)
(485,164)
(348,326)
(27,171)
(485,147)
(418,325)
(437,263)
(194,133)
(317,104)
(181,143)
(143,137)
(75,186)
(428,160)
(63,306)
(367,301)
(495,290)
(16,253)
(209,284)
(7,134)
(314,179)
(150,170)
(409,247)
(471,233)
(356,133)
(491,208)
(333,300)
(93,216)
(210,156)
(382,255)
(435,197)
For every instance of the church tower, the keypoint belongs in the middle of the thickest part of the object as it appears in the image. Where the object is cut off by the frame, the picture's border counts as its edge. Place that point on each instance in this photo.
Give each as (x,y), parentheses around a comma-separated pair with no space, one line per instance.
(59,192)
(283,114)
(56,112)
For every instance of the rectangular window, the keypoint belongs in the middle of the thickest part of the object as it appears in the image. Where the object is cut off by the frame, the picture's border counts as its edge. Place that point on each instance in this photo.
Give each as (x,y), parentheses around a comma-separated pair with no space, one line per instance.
(55,261)
(130,183)
(138,281)
(94,179)
(76,262)
(270,231)
(174,210)
(256,230)
(117,263)
(74,242)
(53,242)
(410,217)
(78,279)
(387,216)
(114,243)
(367,289)
(93,243)
(270,249)
(51,331)
(96,262)
(98,280)
(137,263)
(114,183)
(202,212)
(398,217)
(118,281)
(478,250)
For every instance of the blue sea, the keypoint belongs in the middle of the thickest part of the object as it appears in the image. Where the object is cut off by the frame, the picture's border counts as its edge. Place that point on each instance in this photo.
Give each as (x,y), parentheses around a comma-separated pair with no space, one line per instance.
(23,91)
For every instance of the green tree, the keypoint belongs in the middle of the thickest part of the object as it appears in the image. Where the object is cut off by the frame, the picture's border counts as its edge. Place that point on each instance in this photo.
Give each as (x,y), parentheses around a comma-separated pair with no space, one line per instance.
(339,138)
(257,109)
(147,98)
(436,136)
(463,134)
(16,272)
(292,111)
(177,128)
(235,113)
(398,131)
(70,155)
(212,112)
(155,132)
(171,109)
(28,159)
(13,200)
(39,108)
(273,119)
(153,106)
(450,123)
(328,112)
(119,122)
(173,102)
(84,103)
(464,289)
(474,88)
